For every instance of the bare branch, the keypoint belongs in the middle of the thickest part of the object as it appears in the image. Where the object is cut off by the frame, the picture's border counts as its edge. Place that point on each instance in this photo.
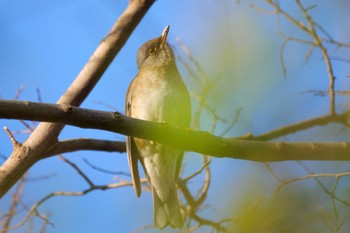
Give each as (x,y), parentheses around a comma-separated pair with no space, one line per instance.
(106,171)
(315,176)
(233,122)
(199,171)
(16,197)
(318,41)
(15,144)
(19,91)
(46,134)
(325,54)
(324,93)
(302,125)
(73,145)
(198,141)
(34,208)
(39,95)
(80,172)
(191,210)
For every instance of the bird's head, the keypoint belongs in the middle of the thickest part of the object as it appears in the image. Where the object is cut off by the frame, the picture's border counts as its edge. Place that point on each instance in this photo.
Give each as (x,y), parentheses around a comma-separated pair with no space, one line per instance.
(156,52)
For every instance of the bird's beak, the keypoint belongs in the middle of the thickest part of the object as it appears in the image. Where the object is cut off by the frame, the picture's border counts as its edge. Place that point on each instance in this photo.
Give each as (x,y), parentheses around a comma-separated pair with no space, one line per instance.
(164,35)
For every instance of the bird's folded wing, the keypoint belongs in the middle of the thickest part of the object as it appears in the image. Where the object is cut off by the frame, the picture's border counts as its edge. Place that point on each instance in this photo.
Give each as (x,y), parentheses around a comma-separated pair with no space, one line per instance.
(133,157)
(133,154)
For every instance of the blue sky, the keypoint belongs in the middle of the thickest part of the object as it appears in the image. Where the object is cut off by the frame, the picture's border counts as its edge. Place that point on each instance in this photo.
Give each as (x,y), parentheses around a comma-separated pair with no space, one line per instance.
(44,45)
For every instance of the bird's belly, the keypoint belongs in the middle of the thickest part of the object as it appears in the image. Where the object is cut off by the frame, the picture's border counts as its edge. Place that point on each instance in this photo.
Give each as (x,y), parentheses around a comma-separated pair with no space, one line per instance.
(159,105)
(160,162)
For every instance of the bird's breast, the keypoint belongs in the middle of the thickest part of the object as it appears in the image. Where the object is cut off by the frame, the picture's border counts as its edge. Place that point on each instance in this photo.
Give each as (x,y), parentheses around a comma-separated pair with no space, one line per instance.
(156,98)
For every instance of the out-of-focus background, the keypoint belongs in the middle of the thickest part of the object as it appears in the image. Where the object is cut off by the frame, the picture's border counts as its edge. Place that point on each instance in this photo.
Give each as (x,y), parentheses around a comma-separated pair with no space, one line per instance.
(44,45)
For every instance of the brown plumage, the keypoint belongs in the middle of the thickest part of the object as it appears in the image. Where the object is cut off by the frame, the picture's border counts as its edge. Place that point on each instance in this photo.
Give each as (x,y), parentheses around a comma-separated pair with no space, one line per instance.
(158,94)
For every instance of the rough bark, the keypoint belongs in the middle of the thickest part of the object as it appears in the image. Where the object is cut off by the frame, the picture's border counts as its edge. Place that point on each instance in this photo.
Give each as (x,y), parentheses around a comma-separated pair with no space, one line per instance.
(46,134)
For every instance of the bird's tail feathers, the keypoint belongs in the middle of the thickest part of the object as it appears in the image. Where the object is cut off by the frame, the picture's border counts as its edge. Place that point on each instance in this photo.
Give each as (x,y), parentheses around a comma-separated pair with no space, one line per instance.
(167,212)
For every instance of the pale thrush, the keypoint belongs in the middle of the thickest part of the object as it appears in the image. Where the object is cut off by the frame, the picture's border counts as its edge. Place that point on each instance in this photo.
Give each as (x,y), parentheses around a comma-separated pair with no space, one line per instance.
(158,94)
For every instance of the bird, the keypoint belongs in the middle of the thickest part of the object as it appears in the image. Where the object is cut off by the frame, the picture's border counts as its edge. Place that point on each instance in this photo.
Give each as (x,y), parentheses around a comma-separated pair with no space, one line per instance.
(158,94)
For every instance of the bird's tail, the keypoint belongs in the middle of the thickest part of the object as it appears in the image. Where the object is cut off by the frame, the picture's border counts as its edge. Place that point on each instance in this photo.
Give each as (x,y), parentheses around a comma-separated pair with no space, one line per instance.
(167,212)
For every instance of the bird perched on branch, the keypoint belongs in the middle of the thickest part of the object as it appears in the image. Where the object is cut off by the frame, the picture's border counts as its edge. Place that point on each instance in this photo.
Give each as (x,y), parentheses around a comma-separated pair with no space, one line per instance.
(158,94)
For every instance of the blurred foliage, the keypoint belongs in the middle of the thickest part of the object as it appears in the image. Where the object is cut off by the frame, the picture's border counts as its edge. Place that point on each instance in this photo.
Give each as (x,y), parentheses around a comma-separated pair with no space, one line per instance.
(293,212)
(238,49)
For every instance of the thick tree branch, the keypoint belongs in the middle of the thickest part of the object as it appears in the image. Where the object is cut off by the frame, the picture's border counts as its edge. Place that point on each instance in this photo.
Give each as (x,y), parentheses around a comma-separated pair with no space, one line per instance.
(46,134)
(198,141)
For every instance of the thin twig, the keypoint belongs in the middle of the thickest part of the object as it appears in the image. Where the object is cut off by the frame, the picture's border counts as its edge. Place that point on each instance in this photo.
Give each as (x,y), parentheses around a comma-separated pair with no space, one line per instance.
(62,193)
(106,171)
(77,169)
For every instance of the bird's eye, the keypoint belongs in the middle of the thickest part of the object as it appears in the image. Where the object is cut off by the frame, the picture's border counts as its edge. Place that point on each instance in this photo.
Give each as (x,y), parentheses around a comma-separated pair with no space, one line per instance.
(152,50)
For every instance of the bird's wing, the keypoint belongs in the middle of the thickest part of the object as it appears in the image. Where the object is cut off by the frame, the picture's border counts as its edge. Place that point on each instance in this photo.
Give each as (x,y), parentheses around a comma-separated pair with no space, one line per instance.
(184,122)
(133,153)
